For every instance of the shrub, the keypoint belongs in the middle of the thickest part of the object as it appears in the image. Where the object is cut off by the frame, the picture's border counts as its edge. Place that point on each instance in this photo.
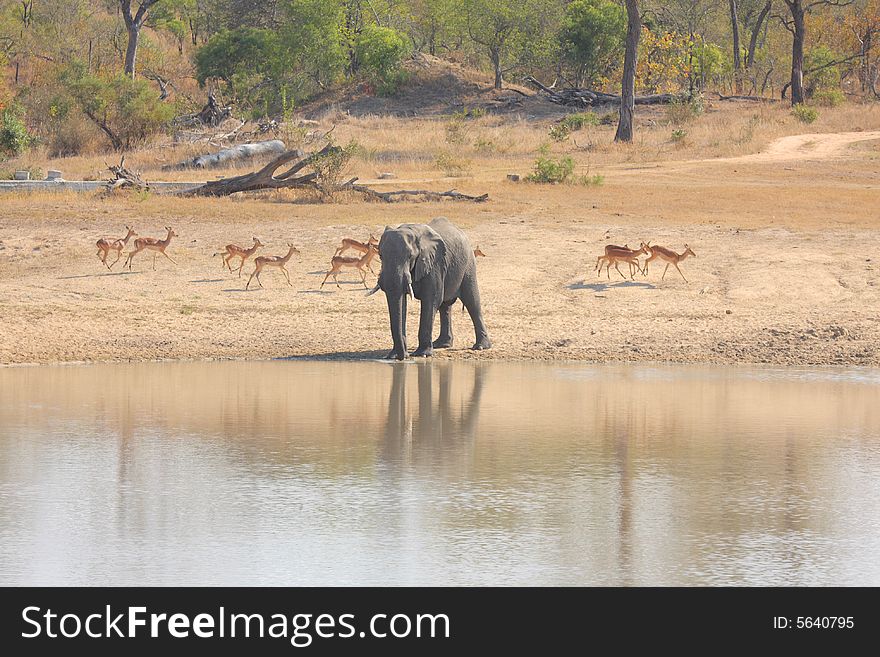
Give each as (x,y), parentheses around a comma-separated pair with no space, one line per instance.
(380,50)
(127,111)
(559,132)
(683,110)
(331,166)
(591,181)
(829,97)
(549,170)
(804,113)
(456,131)
(579,120)
(609,118)
(572,123)
(14,136)
(451,164)
(678,135)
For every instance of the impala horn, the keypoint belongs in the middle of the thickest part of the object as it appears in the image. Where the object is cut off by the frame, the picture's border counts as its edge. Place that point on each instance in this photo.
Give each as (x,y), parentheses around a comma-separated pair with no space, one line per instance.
(410,291)
(374,290)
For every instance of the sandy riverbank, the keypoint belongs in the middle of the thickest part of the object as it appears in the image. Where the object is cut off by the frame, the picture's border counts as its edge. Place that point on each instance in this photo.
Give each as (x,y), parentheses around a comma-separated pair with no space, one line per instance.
(786,273)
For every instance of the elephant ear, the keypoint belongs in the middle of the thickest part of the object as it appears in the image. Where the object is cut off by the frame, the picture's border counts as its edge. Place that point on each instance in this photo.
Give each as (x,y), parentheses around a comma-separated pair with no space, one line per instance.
(431,253)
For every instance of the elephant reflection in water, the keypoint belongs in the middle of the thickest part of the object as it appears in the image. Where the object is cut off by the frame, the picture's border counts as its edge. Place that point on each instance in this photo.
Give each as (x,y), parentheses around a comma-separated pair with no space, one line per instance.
(440,430)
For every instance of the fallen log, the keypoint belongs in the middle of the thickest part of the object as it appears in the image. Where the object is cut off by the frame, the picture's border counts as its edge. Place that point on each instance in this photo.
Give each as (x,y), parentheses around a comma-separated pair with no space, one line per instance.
(228,155)
(588,98)
(391,197)
(265,178)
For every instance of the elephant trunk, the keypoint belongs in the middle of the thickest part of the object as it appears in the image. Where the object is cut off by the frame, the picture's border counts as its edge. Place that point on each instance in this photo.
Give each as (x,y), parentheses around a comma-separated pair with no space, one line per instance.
(397,313)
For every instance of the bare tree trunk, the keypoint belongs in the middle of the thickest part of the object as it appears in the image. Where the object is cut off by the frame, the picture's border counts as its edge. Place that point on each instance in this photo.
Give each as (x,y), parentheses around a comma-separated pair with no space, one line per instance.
(737,65)
(799,29)
(495,56)
(756,32)
(131,49)
(133,25)
(628,89)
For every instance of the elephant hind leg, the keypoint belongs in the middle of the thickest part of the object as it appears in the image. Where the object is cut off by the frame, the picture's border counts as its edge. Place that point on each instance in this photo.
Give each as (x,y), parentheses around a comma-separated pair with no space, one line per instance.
(444,341)
(470,297)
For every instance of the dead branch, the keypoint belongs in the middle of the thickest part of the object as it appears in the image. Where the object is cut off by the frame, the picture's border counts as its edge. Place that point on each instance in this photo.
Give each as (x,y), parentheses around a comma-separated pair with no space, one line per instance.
(124,178)
(589,98)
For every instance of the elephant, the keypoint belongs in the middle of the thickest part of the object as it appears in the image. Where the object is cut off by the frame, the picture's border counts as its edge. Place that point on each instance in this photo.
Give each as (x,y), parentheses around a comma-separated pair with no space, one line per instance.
(435,264)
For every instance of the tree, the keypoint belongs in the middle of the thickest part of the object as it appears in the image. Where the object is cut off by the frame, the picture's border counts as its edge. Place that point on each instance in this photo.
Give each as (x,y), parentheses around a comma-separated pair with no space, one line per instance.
(127,111)
(380,51)
(591,37)
(737,54)
(510,31)
(797,25)
(628,90)
(133,24)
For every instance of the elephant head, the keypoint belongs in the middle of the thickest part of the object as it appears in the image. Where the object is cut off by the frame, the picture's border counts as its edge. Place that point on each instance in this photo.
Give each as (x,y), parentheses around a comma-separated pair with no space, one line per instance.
(413,263)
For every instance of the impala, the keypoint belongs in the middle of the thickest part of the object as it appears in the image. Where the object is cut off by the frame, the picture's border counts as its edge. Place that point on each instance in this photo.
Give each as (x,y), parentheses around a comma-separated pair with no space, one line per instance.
(272,261)
(107,244)
(616,254)
(349,243)
(361,264)
(235,251)
(671,258)
(152,244)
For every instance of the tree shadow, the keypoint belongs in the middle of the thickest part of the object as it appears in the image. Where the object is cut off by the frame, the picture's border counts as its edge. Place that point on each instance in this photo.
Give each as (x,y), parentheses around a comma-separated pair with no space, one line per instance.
(604,287)
(109,273)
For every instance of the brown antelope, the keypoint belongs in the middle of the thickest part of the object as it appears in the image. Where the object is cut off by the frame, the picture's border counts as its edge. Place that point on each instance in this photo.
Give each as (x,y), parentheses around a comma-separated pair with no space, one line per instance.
(361,264)
(349,243)
(235,251)
(272,261)
(615,254)
(107,244)
(152,244)
(478,253)
(671,258)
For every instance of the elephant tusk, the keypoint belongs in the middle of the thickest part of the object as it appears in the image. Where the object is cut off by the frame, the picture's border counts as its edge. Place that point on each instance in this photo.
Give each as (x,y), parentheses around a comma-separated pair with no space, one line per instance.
(411,293)
(374,290)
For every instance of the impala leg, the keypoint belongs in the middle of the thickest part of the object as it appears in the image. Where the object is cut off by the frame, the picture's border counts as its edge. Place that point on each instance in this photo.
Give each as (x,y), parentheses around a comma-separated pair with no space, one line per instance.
(336,280)
(679,271)
(118,256)
(250,279)
(169,257)
(364,277)
(664,271)
(287,276)
(154,262)
(617,267)
(240,267)
(326,277)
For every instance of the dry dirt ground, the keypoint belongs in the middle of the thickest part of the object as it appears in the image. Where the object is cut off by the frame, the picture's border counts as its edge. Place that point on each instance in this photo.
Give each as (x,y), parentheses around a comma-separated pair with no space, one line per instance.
(786,269)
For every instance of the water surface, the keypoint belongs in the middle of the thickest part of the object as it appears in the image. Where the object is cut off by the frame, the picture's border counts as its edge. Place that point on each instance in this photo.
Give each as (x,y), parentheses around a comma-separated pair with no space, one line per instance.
(438,473)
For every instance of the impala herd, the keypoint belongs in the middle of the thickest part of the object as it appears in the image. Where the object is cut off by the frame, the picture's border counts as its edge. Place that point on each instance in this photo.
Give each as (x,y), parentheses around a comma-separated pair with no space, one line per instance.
(369,250)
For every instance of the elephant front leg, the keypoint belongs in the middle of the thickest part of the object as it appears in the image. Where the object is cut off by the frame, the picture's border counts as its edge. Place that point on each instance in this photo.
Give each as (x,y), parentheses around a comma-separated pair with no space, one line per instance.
(426,328)
(445,339)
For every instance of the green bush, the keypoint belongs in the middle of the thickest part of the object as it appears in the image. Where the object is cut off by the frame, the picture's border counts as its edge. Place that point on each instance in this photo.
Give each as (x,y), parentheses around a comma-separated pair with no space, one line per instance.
(380,51)
(829,97)
(127,111)
(572,123)
(14,136)
(804,113)
(549,170)
(591,181)
(679,135)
